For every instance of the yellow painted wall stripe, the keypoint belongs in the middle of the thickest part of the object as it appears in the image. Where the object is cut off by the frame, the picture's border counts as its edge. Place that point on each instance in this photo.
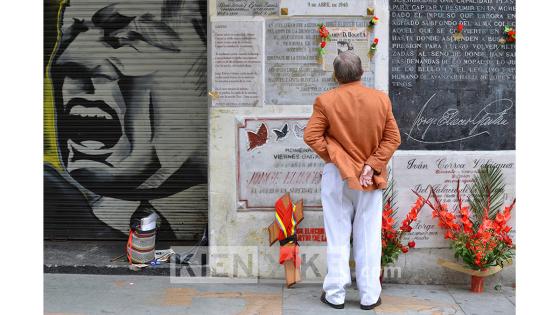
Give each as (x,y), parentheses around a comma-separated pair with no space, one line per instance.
(50,143)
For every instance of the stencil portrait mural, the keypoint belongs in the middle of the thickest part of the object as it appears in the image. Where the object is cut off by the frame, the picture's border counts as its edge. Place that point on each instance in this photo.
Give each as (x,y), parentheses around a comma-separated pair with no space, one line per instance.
(125,117)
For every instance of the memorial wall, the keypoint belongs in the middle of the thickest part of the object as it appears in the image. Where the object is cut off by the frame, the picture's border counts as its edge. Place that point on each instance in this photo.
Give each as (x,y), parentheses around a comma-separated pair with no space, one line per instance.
(454,101)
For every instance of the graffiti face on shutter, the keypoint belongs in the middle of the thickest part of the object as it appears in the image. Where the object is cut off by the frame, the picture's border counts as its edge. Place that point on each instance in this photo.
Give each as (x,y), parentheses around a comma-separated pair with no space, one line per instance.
(122,76)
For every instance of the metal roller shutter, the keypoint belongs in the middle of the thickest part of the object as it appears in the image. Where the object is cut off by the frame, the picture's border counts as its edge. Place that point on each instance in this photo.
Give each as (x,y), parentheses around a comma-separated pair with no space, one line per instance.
(125,117)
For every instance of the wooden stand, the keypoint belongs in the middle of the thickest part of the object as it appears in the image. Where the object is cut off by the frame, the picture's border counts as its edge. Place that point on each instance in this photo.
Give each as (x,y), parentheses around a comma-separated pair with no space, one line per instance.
(292,273)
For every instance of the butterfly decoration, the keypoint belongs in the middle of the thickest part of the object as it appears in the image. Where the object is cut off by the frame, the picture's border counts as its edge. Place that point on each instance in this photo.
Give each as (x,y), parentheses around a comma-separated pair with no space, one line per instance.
(281,134)
(298,131)
(214,95)
(257,139)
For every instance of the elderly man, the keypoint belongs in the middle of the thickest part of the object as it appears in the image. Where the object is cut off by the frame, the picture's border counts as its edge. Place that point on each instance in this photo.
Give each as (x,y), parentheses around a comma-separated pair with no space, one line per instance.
(353,130)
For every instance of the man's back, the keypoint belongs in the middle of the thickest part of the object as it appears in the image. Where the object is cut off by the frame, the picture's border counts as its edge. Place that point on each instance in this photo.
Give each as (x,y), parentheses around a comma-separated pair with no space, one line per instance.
(352,125)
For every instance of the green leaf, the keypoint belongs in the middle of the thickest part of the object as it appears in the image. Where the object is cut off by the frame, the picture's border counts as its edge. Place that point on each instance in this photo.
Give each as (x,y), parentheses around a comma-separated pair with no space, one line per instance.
(487,191)
(390,194)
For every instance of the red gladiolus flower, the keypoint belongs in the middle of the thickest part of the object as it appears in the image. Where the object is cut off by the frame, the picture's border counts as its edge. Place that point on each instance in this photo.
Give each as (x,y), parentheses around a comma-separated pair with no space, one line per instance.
(323,32)
(376,40)
(478,258)
(323,44)
(411,244)
(390,235)
(448,235)
(387,223)
(467,224)
(406,228)
(486,224)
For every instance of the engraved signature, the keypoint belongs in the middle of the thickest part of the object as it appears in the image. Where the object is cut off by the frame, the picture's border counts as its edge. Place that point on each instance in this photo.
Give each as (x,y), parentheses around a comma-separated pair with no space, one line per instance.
(492,114)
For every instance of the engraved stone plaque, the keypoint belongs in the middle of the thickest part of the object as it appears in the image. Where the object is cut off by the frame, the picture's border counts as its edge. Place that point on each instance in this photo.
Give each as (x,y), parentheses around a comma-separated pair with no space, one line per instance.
(273,159)
(293,74)
(325,7)
(246,7)
(237,63)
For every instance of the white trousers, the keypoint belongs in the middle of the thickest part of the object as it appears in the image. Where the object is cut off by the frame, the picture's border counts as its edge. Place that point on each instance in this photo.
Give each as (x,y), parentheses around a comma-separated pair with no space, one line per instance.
(347,211)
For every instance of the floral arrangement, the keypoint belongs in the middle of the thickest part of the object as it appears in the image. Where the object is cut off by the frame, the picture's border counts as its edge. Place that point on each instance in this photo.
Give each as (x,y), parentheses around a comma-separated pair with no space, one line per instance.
(373,47)
(325,37)
(508,35)
(479,233)
(374,20)
(458,35)
(391,236)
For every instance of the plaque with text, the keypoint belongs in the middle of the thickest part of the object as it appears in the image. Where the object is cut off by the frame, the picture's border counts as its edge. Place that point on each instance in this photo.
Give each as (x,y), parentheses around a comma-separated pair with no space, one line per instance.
(293,74)
(246,7)
(273,159)
(237,63)
(441,169)
(323,7)
(449,94)
(354,39)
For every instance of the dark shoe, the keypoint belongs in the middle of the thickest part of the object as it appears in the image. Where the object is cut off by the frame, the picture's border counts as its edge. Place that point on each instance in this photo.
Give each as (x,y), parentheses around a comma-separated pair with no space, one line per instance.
(324,300)
(370,307)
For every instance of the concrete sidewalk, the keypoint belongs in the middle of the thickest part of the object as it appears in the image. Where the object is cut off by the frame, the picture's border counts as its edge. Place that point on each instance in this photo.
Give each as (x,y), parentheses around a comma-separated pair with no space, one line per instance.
(125,294)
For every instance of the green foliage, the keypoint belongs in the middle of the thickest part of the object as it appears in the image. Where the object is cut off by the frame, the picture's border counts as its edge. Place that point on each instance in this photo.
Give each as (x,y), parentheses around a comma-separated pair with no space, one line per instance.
(461,251)
(497,257)
(390,194)
(390,254)
(486,192)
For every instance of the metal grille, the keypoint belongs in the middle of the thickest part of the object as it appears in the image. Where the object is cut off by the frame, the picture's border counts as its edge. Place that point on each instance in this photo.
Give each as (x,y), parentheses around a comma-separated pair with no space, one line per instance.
(126,117)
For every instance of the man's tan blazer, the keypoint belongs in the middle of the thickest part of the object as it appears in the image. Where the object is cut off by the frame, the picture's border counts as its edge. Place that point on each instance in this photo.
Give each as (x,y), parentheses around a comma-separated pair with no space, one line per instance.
(353,125)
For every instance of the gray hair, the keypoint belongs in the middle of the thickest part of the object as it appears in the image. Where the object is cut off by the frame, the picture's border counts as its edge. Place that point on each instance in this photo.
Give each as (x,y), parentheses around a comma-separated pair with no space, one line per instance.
(347,67)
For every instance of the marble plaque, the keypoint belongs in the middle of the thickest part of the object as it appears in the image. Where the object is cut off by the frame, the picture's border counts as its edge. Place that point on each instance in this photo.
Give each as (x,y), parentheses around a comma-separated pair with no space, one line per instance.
(246,7)
(442,169)
(237,63)
(273,159)
(293,74)
(323,7)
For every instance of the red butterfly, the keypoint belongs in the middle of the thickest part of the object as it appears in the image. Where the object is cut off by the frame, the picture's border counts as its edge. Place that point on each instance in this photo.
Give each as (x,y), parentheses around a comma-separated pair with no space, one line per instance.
(257,139)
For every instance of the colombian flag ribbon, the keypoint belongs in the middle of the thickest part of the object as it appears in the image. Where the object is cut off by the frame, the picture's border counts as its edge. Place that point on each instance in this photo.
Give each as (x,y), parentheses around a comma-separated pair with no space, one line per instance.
(286,221)
(285,218)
